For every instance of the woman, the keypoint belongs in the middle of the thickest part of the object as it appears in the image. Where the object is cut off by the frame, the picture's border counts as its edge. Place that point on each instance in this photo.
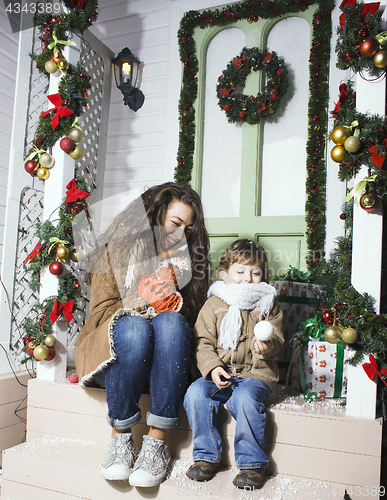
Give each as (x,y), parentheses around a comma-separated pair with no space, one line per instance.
(149,278)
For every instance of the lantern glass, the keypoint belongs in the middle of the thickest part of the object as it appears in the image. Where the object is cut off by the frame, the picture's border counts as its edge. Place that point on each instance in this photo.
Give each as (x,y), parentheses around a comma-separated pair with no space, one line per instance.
(126,73)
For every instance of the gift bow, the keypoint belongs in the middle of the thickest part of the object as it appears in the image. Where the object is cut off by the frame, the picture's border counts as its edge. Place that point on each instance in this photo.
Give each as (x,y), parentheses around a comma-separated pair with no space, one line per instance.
(73,193)
(31,257)
(367,7)
(376,158)
(54,45)
(343,95)
(65,308)
(358,189)
(61,111)
(372,369)
(35,152)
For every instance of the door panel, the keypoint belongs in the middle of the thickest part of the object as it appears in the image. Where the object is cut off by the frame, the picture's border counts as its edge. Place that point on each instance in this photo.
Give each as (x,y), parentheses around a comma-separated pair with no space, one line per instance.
(252,177)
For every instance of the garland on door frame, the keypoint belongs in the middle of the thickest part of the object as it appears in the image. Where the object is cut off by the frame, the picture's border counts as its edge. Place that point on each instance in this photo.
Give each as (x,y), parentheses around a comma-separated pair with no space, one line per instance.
(240,108)
(317,111)
(55,247)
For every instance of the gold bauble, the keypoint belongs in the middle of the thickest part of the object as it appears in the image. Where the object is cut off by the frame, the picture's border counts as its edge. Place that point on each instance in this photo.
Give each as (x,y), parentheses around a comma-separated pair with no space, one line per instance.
(380,59)
(32,344)
(338,154)
(349,335)
(46,160)
(76,255)
(77,153)
(41,352)
(50,340)
(332,334)
(340,134)
(76,134)
(43,173)
(51,67)
(352,144)
(63,65)
(62,252)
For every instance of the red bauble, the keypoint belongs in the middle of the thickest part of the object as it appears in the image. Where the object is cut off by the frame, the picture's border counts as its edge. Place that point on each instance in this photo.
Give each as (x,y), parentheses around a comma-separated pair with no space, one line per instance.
(67,145)
(29,167)
(369,202)
(368,47)
(51,354)
(328,317)
(56,268)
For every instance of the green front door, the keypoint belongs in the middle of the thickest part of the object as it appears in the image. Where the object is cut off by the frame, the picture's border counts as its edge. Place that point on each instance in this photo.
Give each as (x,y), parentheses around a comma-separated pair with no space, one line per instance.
(252,177)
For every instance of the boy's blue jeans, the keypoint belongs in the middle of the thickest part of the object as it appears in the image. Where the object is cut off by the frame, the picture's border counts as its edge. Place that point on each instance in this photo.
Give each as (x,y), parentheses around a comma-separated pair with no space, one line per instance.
(245,400)
(157,351)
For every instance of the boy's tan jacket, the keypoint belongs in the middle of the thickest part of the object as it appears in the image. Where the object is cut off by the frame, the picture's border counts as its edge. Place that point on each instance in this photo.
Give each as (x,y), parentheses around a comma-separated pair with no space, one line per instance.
(244,362)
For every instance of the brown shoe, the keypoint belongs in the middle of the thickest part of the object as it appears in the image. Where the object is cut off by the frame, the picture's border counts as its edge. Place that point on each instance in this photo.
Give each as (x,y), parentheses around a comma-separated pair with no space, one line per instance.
(202,470)
(250,479)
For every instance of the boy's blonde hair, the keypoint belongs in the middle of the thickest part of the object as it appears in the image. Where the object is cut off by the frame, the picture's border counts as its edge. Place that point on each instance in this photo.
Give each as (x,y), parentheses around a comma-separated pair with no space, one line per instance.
(245,251)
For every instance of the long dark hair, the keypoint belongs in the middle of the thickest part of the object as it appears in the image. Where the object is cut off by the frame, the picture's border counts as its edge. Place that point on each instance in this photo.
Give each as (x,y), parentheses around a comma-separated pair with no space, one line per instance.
(132,225)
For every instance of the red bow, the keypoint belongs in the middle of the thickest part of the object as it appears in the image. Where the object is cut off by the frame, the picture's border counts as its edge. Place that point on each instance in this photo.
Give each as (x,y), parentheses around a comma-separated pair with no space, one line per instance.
(376,158)
(61,111)
(367,7)
(66,309)
(79,3)
(372,369)
(343,95)
(31,257)
(73,193)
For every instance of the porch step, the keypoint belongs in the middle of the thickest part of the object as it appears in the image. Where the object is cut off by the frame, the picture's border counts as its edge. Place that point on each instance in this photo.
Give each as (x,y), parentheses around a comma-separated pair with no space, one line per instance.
(307,443)
(68,469)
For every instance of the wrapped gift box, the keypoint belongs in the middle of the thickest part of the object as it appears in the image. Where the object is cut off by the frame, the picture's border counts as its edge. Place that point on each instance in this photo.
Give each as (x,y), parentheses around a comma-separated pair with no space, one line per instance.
(298,302)
(324,369)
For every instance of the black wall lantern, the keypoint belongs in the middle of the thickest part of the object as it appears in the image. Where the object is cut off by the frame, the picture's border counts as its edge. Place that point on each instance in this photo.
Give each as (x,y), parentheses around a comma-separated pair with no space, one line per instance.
(126,72)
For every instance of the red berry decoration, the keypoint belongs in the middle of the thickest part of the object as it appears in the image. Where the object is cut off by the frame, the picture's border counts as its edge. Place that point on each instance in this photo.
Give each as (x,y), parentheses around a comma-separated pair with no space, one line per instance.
(29,167)
(56,268)
(67,145)
(369,202)
(328,317)
(368,47)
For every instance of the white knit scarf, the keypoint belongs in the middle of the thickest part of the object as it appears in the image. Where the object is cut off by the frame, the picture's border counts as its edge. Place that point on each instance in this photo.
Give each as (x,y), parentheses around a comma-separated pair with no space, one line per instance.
(237,296)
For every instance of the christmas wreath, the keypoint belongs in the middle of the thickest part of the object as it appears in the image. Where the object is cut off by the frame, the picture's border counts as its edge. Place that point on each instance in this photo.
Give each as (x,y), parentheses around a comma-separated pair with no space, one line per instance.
(249,109)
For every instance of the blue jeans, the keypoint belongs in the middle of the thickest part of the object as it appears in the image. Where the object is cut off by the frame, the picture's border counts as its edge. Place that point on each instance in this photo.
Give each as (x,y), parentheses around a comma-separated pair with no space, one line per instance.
(245,400)
(154,351)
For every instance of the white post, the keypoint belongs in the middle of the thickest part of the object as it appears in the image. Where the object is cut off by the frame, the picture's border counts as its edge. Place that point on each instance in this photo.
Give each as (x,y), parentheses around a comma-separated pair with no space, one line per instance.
(54,192)
(366,258)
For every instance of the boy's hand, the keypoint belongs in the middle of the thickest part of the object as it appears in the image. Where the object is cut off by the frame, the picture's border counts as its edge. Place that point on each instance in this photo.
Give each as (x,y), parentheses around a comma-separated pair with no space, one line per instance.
(218,376)
(261,347)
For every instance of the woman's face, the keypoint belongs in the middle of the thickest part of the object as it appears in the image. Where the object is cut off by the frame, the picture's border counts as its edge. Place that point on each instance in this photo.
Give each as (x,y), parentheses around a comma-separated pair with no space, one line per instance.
(179,220)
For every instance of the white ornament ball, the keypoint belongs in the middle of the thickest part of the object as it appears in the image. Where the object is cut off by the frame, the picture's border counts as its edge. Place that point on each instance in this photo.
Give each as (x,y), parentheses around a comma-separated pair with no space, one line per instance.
(263,330)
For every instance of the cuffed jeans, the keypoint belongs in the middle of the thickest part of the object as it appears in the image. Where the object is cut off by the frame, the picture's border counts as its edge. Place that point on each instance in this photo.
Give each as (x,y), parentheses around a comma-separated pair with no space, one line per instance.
(245,400)
(156,351)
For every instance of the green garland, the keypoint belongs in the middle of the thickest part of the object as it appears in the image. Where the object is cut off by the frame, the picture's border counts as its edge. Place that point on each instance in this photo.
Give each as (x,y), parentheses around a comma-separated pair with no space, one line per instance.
(317,111)
(54,33)
(356,23)
(249,109)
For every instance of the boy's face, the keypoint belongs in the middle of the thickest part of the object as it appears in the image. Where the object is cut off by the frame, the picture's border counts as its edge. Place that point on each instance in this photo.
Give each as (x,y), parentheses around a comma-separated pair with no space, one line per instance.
(245,273)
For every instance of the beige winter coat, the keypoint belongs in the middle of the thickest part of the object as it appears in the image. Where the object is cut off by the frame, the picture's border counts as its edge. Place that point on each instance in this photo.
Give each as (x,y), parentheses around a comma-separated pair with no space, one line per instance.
(244,362)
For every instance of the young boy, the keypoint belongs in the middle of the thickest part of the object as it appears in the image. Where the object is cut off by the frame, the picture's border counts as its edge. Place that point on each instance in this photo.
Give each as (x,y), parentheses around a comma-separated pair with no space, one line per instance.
(237,369)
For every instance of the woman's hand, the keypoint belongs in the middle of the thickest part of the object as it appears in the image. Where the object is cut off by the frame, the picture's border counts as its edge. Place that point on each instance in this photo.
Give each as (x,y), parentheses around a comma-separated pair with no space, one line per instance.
(261,347)
(218,375)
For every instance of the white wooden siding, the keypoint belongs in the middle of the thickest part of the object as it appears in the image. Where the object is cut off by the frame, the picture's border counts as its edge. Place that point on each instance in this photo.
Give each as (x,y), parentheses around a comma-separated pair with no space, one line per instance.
(8,63)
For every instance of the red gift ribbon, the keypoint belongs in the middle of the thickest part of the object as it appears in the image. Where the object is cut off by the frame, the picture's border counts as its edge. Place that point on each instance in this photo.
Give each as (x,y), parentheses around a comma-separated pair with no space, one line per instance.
(343,95)
(367,7)
(79,3)
(59,308)
(376,158)
(31,257)
(372,369)
(61,111)
(73,193)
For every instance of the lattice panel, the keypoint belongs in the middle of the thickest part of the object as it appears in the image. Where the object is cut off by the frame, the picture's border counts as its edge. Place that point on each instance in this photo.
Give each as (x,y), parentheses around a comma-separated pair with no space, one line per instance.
(31,212)
(31,203)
